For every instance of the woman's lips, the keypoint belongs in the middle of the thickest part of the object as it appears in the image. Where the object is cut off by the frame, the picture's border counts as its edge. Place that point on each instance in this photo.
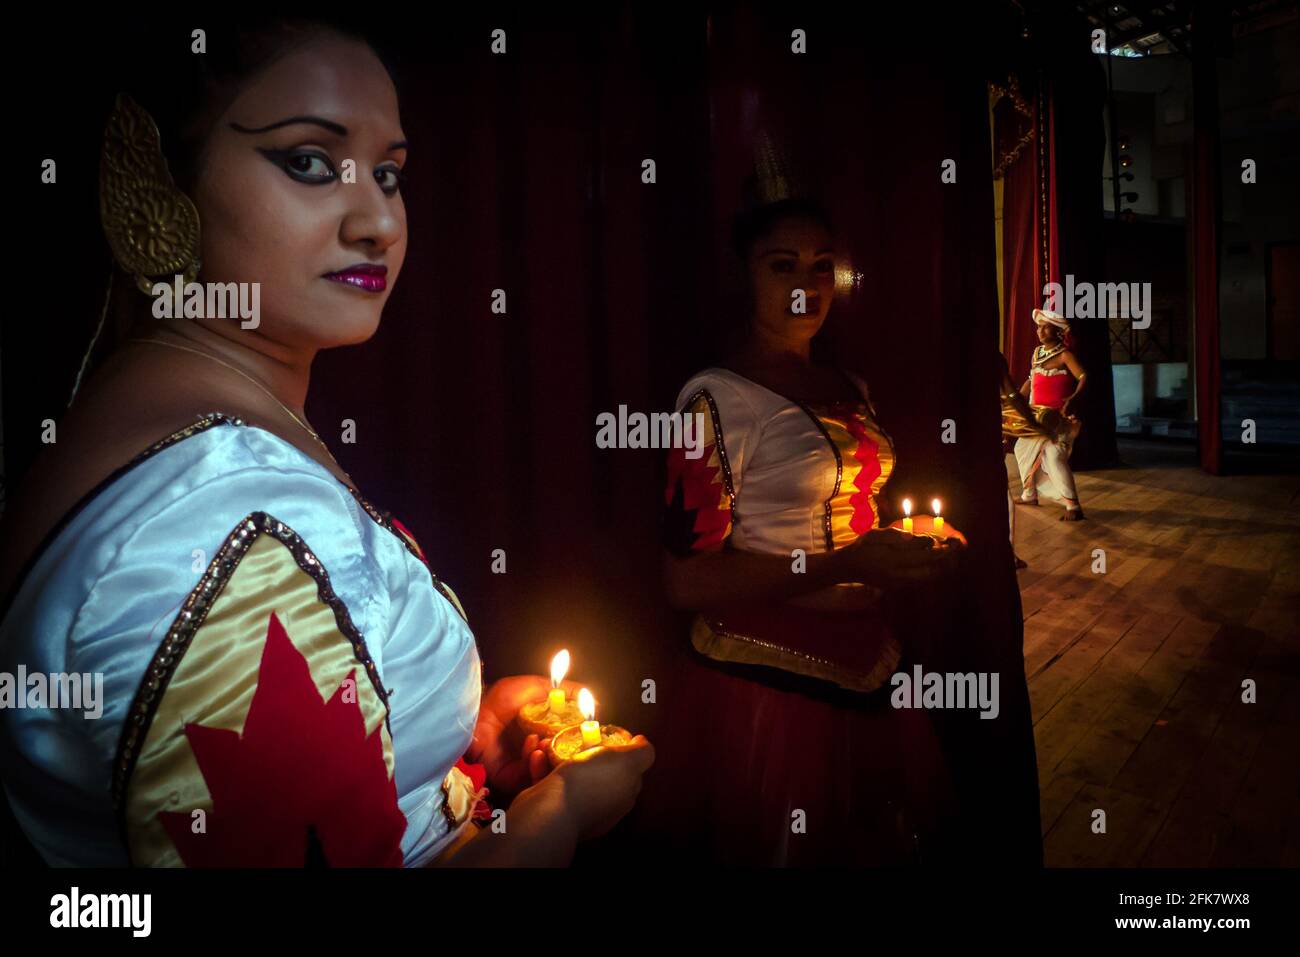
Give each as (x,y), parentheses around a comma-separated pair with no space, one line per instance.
(362,276)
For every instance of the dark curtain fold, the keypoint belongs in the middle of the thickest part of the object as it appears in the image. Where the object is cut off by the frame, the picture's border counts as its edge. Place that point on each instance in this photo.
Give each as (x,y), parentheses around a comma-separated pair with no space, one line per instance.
(1203,225)
(1078,149)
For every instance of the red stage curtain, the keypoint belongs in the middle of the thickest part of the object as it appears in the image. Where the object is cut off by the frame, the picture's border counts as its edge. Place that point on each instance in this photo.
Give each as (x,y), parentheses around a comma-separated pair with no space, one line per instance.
(1022,261)
(1052,216)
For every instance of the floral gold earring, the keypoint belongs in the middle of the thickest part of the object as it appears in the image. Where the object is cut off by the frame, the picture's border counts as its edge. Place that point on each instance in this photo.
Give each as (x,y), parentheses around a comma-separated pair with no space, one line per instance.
(151,226)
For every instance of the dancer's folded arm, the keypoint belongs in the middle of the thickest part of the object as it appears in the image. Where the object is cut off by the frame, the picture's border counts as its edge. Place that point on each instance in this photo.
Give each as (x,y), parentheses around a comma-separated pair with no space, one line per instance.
(1079,374)
(723,577)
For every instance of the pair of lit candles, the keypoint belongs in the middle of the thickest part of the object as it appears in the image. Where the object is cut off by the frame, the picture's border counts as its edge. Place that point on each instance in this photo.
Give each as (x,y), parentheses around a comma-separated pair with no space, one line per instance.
(558,703)
(572,730)
(907,515)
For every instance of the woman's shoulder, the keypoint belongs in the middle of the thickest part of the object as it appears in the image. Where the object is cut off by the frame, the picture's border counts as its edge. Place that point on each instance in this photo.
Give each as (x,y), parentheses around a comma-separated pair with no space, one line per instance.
(716,377)
(182,496)
(219,463)
(216,508)
(730,392)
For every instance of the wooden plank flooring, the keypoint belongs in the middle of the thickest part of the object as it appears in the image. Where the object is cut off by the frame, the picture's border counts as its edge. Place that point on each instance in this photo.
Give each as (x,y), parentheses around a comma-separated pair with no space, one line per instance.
(1136,675)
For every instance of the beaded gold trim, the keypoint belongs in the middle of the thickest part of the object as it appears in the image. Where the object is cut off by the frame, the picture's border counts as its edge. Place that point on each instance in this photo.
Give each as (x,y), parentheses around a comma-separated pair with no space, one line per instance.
(201,424)
(384,520)
(190,619)
(447,813)
(719,446)
(706,632)
(1012,90)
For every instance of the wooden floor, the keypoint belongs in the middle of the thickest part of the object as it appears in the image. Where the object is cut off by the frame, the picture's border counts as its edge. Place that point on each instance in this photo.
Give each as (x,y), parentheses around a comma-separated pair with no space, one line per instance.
(1136,675)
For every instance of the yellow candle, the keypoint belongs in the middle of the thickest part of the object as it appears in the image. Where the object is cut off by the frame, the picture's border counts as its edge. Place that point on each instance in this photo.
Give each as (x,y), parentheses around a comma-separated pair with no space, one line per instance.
(559,668)
(907,513)
(938,519)
(590,727)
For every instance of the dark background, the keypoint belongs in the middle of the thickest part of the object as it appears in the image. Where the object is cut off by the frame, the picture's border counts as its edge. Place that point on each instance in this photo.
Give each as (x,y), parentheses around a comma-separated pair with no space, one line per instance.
(478,430)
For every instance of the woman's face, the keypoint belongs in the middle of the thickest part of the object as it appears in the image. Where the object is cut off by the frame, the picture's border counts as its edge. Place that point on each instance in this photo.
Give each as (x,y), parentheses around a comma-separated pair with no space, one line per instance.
(1047,334)
(796,254)
(274,205)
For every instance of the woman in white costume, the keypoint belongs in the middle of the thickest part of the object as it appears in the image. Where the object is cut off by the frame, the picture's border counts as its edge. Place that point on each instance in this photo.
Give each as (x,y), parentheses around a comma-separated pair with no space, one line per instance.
(278,678)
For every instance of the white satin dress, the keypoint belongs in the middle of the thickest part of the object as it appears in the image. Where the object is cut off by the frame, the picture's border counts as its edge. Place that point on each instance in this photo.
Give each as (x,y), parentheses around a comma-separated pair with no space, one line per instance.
(284,680)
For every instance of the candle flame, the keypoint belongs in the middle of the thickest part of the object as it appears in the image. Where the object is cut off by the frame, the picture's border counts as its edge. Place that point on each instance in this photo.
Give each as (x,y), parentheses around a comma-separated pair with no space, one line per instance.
(586,704)
(907,506)
(935,505)
(559,667)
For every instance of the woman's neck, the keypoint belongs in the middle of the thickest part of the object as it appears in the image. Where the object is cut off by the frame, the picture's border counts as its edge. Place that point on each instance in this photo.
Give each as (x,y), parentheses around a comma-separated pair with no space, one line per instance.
(778,353)
(285,372)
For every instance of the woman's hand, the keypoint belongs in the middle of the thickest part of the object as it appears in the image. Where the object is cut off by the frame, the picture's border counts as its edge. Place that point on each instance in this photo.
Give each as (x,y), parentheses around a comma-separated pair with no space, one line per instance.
(924,525)
(891,556)
(513,761)
(582,799)
(600,785)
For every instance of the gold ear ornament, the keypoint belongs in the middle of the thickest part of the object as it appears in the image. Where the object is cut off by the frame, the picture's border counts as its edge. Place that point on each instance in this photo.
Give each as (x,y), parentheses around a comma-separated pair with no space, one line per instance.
(151,226)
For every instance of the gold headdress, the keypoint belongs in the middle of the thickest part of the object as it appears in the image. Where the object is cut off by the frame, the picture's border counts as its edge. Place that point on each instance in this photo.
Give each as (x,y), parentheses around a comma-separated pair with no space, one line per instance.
(774,174)
(151,226)
(777,178)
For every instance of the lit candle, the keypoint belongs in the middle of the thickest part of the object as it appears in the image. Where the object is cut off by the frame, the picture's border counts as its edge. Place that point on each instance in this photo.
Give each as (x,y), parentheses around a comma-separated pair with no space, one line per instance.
(550,715)
(585,734)
(907,515)
(590,726)
(938,519)
(559,668)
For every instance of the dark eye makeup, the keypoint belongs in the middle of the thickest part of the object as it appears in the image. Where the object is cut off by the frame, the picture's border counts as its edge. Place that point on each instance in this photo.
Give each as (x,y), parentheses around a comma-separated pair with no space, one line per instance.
(315,169)
(390,179)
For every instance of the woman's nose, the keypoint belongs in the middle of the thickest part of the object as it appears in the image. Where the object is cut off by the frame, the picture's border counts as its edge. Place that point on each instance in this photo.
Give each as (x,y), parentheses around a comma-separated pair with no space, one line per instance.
(373,219)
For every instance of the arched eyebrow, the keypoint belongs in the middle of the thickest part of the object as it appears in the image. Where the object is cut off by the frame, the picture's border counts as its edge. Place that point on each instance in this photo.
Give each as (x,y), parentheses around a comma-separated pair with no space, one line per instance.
(338,129)
(791,252)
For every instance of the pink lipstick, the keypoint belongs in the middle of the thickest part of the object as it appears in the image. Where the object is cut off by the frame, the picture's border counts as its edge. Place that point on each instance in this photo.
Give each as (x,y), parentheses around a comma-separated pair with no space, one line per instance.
(362,276)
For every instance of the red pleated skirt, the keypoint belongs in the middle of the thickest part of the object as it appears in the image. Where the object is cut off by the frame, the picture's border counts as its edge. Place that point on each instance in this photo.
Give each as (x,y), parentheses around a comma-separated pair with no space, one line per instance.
(772,769)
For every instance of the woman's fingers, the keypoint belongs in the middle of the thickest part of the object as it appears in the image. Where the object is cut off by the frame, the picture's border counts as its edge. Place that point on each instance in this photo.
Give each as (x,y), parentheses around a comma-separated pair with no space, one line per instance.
(922,565)
(901,539)
(538,765)
(645,750)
